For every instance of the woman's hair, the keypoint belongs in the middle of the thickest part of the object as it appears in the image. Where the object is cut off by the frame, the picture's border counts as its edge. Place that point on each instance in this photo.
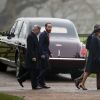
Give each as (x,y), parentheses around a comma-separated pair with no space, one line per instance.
(97,31)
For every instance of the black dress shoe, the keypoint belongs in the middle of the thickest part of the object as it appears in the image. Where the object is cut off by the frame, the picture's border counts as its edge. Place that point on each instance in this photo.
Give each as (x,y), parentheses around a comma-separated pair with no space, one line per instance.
(20,83)
(44,86)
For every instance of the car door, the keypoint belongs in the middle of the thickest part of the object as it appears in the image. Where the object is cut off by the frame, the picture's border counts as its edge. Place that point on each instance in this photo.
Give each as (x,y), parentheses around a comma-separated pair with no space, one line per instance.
(8,45)
(22,45)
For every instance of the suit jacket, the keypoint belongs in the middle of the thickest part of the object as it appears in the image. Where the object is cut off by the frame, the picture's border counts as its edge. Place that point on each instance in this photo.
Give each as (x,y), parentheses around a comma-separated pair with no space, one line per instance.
(44,43)
(32,51)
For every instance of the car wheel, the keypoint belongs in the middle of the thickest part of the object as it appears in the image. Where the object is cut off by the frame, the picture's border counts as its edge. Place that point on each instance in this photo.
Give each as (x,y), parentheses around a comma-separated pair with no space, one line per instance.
(76,74)
(3,67)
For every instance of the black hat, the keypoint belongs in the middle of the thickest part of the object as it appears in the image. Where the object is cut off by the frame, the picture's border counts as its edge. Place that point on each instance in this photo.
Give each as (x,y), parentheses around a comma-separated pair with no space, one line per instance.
(96,30)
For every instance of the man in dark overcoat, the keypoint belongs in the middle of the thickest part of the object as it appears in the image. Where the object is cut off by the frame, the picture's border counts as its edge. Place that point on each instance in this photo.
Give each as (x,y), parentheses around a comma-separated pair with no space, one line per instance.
(32,58)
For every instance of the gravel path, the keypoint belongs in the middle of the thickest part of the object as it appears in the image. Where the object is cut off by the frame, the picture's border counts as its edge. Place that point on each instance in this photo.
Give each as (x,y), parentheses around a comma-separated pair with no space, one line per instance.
(61,89)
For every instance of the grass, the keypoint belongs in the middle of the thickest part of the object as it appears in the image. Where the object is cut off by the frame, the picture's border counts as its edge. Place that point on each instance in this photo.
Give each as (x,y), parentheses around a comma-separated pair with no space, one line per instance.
(83,39)
(93,75)
(9,97)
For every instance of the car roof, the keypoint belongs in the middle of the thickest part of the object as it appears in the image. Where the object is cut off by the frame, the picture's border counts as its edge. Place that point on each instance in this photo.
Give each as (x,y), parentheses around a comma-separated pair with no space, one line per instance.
(38,19)
(57,22)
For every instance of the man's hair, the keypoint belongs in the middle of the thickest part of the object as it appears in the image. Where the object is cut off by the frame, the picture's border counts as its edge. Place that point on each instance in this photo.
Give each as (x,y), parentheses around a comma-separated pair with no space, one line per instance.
(96,26)
(37,27)
(47,24)
(97,30)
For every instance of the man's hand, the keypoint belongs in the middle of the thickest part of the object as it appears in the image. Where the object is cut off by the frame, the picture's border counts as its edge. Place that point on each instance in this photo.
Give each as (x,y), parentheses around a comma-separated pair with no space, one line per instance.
(33,59)
(51,55)
(43,56)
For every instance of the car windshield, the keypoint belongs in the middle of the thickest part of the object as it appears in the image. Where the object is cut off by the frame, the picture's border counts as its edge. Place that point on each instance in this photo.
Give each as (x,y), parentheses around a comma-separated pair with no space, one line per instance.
(58,29)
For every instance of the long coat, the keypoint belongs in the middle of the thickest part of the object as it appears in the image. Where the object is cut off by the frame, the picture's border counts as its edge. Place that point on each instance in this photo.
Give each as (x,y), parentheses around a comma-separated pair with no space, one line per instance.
(89,41)
(94,53)
(32,51)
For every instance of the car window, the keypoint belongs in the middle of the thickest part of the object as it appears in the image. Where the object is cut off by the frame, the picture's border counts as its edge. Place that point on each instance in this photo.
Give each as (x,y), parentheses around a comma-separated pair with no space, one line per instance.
(56,30)
(16,28)
(23,31)
(13,28)
(59,29)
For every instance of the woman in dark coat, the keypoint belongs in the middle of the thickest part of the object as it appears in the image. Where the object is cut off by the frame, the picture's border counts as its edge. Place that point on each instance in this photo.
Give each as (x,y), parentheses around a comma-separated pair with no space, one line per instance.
(79,79)
(92,65)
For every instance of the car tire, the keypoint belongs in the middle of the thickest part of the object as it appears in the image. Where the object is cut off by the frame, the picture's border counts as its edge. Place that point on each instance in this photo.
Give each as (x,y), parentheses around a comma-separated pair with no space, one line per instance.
(3,67)
(76,74)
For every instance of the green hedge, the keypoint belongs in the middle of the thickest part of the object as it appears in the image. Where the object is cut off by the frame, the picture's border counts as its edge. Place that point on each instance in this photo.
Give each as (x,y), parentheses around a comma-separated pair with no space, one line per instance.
(9,97)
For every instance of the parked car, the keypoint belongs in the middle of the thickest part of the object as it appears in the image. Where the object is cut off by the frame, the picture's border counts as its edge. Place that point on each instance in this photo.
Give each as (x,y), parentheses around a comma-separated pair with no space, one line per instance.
(67,50)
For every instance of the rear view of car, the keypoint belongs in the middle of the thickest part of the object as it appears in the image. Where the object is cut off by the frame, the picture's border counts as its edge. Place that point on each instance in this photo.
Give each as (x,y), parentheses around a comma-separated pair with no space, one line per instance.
(68,52)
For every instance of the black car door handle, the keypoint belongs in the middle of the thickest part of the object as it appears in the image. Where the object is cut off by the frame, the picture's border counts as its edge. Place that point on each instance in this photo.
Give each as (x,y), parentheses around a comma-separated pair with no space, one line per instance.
(23,45)
(20,44)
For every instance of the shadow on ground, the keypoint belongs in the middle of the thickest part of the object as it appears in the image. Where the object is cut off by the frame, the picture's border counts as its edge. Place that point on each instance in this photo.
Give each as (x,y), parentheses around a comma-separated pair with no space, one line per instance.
(51,78)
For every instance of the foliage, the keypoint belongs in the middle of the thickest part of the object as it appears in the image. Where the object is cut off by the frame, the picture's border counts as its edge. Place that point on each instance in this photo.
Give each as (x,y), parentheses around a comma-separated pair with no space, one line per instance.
(83,39)
(9,97)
